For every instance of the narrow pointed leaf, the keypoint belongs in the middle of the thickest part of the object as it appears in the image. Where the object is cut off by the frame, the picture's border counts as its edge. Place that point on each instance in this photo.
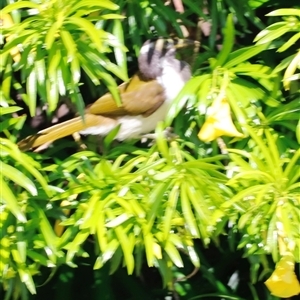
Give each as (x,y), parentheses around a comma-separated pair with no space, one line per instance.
(9,198)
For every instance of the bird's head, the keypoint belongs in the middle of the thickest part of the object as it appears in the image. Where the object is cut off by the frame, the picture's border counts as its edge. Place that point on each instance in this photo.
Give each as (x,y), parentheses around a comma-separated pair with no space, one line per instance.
(154,52)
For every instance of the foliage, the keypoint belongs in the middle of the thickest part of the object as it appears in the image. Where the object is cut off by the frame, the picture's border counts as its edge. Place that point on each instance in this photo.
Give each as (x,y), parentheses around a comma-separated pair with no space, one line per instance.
(18,228)
(225,207)
(291,23)
(147,204)
(269,198)
(57,41)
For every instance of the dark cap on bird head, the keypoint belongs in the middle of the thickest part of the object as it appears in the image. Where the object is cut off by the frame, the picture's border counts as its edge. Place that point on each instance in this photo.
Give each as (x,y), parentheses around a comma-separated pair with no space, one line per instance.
(155,50)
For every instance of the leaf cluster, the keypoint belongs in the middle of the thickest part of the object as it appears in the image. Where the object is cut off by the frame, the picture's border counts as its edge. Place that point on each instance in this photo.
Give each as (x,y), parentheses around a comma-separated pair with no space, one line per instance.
(149,205)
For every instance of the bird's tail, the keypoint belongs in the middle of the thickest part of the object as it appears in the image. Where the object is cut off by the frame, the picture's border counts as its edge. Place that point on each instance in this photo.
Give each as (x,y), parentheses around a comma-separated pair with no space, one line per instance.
(64,129)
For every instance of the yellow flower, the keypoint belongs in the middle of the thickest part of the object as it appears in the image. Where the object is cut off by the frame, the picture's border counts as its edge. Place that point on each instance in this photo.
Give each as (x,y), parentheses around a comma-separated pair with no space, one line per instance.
(283,281)
(218,123)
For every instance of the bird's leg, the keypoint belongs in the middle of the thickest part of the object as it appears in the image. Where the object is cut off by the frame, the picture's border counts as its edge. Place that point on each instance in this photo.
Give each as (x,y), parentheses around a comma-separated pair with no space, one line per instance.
(77,138)
(222,146)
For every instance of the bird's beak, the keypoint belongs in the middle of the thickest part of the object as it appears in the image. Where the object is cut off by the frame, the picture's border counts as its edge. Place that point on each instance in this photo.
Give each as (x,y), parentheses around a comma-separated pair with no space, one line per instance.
(183,43)
(176,43)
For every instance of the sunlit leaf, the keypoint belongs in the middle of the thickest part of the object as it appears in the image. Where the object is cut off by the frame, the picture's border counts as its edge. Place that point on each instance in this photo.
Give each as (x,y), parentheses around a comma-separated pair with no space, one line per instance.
(11,201)
(229,35)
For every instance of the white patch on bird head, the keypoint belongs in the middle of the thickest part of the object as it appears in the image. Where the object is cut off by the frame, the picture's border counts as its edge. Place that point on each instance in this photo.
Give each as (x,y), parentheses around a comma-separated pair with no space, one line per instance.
(145,48)
(157,45)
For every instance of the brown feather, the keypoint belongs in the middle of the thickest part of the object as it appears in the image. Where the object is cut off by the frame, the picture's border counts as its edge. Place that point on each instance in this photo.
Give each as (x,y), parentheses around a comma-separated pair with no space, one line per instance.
(64,129)
(138,97)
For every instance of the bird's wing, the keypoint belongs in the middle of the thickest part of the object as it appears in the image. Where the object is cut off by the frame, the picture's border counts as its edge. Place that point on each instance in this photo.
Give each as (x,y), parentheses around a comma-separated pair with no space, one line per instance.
(139,97)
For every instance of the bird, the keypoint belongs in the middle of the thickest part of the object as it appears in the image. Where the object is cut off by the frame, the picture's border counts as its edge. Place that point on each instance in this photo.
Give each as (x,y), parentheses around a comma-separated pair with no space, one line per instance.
(146,98)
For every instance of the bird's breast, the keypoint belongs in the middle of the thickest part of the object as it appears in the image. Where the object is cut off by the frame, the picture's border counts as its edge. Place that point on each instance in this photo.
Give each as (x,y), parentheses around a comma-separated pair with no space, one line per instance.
(172,81)
(135,126)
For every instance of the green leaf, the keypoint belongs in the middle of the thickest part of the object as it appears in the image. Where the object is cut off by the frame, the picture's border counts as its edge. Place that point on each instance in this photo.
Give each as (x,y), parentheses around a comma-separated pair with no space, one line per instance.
(62,79)
(27,162)
(174,255)
(11,201)
(88,4)
(214,20)
(69,44)
(161,140)
(115,70)
(273,27)
(192,253)
(90,214)
(112,16)
(187,212)
(25,276)
(243,54)
(31,89)
(13,123)
(7,79)
(110,137)
(290,42)
(90,72)
(40,70)
(269,36)
(257,3)
(253,70)
(195,8)
(9,110)
(53,63)
(272,238)
(136,207)
(120,54)
(111,85)
(19,178)
(165,271)
(234,99)
(170,209)
(51,35)
(88,28)
(75,70)
(284,12)
(125,244)
(196,198)
(298,132)
(149,248)
(120,219)
(74,246)
(274,153)
(110,250)
(264,148)
(204,93)
(19,5)
(52,94)
(37,257)
(229,35)
(47,231)
(292,165)
(155,198)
